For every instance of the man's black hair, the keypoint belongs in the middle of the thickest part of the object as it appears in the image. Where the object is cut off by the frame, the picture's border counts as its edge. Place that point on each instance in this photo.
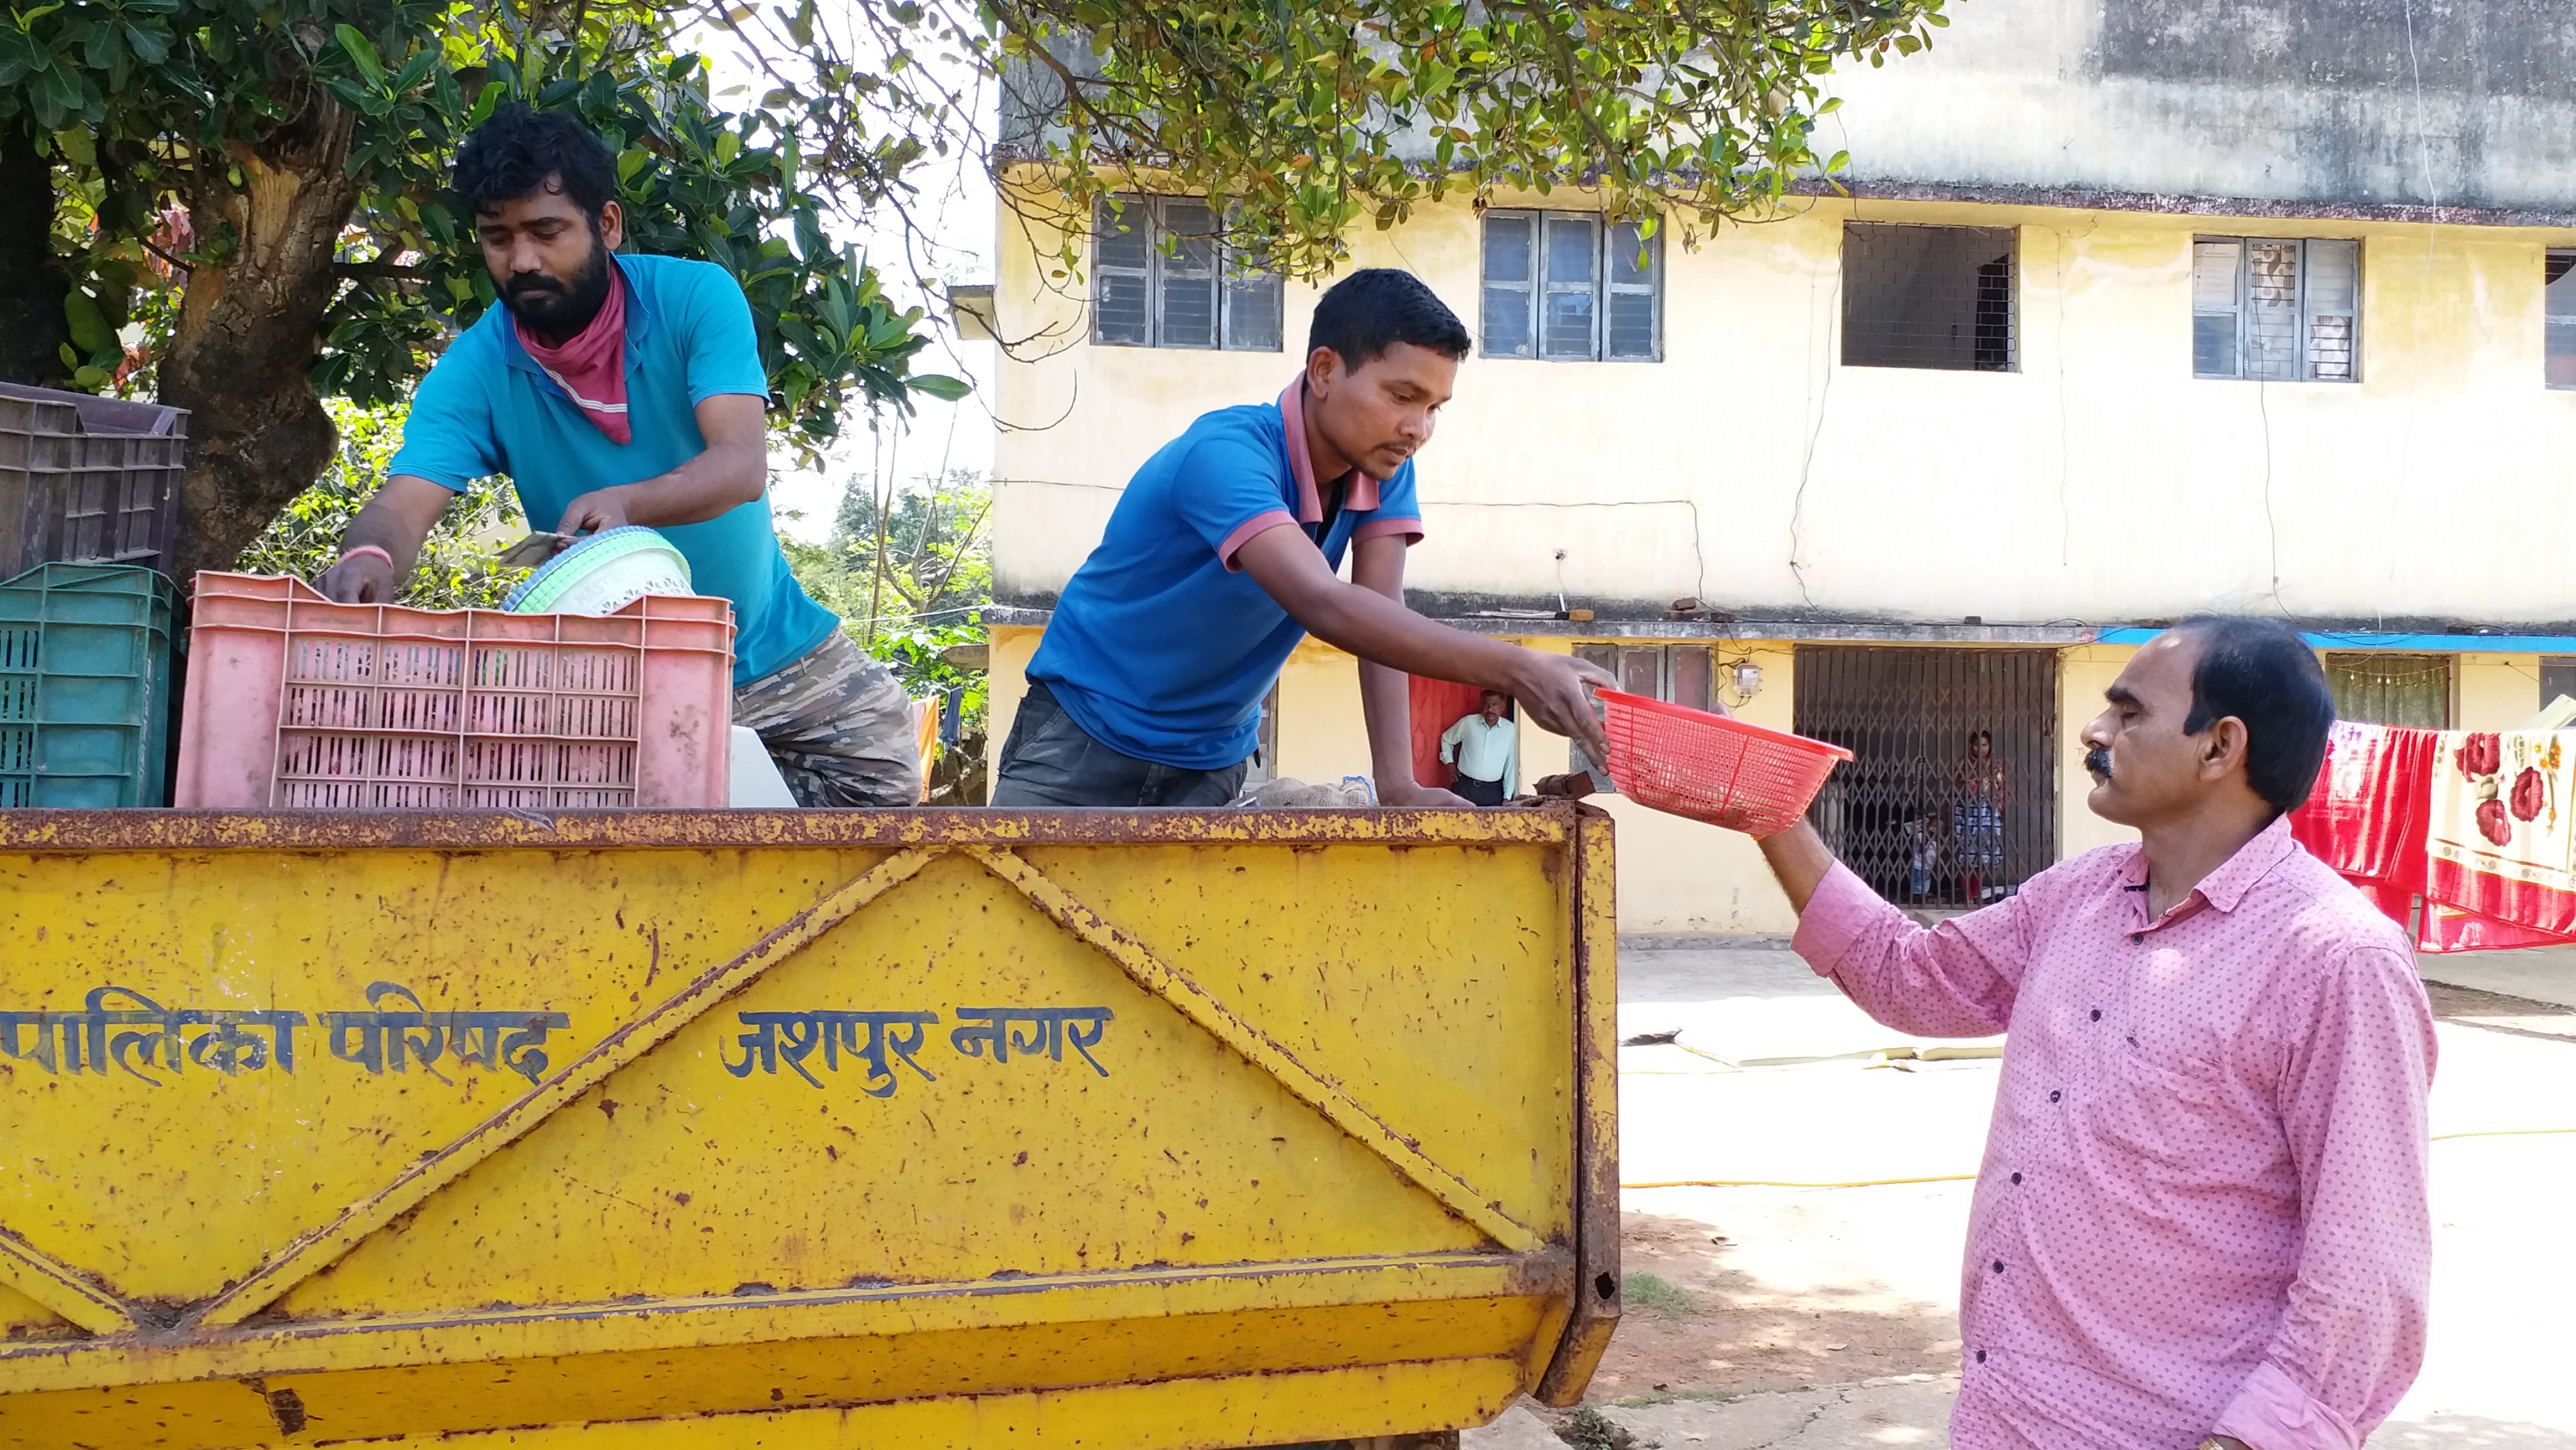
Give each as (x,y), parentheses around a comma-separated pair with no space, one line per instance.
(513,152)
(1373,309)
(2261,672)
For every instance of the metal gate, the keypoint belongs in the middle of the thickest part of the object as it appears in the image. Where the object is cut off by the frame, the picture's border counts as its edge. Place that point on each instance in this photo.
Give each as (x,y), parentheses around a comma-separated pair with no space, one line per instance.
(1925,812)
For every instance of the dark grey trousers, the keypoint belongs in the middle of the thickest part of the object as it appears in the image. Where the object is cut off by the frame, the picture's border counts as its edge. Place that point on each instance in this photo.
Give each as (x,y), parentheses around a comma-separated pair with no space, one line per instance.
(1050,762)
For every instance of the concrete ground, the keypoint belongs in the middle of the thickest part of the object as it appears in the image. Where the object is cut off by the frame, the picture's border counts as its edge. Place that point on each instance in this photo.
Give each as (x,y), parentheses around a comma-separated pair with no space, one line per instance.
(1762,1314)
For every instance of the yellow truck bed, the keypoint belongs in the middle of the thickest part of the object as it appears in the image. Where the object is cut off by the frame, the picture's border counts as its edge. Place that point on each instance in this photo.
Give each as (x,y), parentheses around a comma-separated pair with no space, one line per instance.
(801,1129)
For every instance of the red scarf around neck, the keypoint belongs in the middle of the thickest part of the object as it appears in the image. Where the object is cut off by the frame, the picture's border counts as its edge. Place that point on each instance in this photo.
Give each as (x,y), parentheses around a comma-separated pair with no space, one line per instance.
(591,365)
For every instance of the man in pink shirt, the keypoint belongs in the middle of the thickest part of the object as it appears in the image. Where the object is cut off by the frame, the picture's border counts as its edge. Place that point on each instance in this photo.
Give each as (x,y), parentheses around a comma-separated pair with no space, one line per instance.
(2201,1217)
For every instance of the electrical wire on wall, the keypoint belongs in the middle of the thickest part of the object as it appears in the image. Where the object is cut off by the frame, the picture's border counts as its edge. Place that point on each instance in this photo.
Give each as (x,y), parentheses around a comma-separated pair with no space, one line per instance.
(2271,523)
(1824,399)
(2432,234)
(1699,548)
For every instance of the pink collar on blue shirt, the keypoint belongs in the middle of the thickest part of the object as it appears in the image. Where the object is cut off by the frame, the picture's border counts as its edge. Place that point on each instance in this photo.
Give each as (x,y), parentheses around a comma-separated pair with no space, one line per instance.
(1362,495)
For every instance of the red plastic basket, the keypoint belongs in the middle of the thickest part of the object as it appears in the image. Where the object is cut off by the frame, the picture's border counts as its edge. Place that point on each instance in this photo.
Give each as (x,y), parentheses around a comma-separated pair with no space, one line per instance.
(1712,768)
(294,701)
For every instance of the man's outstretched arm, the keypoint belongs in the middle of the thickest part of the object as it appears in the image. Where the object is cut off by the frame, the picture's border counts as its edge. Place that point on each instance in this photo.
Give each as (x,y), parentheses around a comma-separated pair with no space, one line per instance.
(393,524)
(1799,860)
(732,471)
(1955,980)
(1377,629)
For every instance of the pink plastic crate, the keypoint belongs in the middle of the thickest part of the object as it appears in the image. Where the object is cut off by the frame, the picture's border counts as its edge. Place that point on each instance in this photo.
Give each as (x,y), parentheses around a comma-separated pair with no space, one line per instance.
(296,702)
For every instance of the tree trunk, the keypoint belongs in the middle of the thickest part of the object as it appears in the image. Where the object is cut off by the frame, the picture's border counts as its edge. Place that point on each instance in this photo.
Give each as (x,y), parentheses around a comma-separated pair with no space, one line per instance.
(249,327)
(32,281)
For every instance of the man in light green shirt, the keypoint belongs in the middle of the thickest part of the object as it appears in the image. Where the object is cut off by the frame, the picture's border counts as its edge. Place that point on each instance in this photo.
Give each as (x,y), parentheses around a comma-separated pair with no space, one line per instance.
(1486,749)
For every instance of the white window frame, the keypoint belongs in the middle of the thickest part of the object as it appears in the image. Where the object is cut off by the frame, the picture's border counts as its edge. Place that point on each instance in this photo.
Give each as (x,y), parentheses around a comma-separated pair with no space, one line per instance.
(1234,278)
(2307,308)
(1533,293)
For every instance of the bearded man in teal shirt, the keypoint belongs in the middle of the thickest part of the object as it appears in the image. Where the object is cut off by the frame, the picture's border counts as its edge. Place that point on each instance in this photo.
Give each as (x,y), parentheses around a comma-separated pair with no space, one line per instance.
(617,390)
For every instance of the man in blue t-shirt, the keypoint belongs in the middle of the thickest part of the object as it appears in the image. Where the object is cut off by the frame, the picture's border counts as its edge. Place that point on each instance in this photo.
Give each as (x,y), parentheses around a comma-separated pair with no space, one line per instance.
(617,390)
(1225,551)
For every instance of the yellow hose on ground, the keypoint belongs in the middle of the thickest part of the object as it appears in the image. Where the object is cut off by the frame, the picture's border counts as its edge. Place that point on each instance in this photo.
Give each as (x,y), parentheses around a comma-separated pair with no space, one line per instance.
(1776,1183)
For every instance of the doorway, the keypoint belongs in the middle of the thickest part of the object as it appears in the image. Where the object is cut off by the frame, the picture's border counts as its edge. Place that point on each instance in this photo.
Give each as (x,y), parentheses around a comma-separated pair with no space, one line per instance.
(1950,799)
(1436,705)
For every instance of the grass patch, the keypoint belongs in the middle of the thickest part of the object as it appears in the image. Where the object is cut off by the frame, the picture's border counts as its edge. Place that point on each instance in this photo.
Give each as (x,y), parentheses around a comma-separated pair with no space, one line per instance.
(1676,1397)
(1649,1294)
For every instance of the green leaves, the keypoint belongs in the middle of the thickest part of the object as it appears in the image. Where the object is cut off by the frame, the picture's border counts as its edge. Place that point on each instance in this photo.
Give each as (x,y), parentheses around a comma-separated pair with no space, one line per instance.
(149,103)
(87,321)
(361,53)
(1304,118)
(458,568)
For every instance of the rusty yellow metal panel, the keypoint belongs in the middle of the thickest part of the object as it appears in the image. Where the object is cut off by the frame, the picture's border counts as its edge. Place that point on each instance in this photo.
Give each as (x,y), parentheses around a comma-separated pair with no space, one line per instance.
(909,1129)
(1596,1307)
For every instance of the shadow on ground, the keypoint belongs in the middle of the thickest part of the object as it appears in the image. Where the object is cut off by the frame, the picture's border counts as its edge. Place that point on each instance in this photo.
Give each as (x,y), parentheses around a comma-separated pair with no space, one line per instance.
(1696,1326)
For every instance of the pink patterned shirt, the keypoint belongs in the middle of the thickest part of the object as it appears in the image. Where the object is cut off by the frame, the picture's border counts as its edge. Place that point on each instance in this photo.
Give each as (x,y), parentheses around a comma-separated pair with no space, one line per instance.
(2202,1209)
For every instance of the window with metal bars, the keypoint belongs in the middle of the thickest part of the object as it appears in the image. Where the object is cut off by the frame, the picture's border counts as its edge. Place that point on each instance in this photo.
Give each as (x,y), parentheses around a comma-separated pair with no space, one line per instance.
(2557,678)
(2391,689)
(1564,286)
(1928,297)
(1163,276)
(1950,798)
(1681,674)
(2558,291)
(2276,309)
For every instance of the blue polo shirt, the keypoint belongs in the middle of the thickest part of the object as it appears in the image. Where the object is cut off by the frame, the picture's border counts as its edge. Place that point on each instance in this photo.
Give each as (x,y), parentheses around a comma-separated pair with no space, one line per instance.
(1160,647)
(487,408)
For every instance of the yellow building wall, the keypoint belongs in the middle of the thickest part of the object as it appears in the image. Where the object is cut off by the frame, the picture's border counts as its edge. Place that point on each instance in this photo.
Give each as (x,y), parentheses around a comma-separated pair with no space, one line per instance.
(2495,692)
(1323,735)
(1006,680)
(1754,470)
(2083,674)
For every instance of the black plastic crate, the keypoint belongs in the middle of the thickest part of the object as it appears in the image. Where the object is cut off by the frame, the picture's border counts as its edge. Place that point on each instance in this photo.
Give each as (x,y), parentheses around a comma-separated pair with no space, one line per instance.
(87,479)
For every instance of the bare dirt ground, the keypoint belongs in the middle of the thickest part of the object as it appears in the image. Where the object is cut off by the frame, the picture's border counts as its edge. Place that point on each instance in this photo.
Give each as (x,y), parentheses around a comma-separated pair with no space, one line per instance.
(1696,1324)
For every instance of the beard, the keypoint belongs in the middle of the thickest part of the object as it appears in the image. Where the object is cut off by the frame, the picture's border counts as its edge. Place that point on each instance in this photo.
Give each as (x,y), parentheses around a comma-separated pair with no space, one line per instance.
(552,309)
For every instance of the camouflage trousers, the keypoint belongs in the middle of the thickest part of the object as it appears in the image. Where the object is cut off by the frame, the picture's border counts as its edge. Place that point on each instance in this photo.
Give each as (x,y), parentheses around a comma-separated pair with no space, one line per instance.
(839,726)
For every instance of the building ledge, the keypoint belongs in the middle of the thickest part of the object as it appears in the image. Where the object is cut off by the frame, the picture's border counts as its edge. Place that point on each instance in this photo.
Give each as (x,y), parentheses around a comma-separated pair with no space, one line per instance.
(1799,631)
(2070,198)
(1881,631)
(2434,644)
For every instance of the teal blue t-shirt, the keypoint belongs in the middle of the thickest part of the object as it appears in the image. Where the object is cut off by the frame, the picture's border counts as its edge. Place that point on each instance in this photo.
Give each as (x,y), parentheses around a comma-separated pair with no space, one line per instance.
(487,408)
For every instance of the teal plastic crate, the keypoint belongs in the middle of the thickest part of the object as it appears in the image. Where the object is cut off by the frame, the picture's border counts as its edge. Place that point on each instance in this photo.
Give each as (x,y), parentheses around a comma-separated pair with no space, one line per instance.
(85,686)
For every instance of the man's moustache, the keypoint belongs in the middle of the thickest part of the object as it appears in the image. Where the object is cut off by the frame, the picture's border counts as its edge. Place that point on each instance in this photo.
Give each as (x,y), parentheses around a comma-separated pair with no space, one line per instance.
(2098,761)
